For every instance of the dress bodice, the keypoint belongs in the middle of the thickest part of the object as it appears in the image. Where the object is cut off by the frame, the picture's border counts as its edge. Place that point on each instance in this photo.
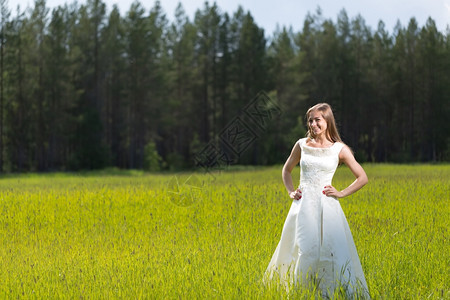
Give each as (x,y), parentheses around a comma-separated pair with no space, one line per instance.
(318,165)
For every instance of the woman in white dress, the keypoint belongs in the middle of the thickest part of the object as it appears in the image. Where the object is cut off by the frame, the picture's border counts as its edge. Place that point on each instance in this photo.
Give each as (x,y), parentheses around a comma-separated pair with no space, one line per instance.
(316,245)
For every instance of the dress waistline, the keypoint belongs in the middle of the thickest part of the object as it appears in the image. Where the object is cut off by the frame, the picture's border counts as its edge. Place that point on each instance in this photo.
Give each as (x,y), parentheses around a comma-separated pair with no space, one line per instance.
(313,185)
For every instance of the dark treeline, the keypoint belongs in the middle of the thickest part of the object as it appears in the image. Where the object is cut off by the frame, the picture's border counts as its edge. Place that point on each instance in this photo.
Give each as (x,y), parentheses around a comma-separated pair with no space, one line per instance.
(82,87)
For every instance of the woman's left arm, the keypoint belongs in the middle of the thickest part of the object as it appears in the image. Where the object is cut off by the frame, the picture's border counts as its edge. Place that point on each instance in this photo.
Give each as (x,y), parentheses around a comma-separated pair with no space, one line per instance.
(346,156)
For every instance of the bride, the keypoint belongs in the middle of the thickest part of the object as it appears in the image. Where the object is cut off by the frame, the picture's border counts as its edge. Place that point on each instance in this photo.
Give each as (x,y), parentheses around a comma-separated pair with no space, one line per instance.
(316,245)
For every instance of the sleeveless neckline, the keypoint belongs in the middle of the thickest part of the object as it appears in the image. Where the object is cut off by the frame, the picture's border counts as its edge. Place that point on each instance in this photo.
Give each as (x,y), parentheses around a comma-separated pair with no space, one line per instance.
(319,147)
(311,147)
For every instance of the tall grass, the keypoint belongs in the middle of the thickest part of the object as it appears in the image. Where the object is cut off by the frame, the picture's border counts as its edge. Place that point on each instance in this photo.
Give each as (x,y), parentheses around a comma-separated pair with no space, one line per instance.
(124,236)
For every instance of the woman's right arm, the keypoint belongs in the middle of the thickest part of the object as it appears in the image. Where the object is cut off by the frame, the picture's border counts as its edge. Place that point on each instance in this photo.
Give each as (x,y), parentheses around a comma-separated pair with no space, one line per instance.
(290,163)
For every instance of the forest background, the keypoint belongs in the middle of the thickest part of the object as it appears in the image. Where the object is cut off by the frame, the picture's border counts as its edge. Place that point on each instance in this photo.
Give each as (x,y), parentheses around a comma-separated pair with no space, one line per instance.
(84,88)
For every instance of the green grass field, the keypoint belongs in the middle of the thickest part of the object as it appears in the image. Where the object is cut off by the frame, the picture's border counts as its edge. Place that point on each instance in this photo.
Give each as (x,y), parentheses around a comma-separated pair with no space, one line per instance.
(133,235)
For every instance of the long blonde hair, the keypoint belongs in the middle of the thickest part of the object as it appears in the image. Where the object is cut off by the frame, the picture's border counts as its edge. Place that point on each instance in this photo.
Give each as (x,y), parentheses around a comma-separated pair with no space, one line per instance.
(327,114)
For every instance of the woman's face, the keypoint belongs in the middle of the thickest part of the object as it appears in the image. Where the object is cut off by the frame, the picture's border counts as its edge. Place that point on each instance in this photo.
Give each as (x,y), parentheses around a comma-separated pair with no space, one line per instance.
(317,124)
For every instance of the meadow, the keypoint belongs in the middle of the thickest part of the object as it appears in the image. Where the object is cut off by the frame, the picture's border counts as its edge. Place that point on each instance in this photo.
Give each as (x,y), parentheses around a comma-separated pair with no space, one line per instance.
(133,235)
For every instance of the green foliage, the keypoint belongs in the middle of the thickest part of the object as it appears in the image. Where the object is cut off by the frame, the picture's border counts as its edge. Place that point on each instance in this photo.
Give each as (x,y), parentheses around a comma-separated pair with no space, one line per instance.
(175,161)
(121,235)
(152,160)
(298,131)
(81,89)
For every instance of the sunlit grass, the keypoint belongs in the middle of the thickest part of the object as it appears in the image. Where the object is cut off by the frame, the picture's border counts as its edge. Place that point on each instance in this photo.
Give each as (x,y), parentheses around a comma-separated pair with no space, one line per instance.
(119,234)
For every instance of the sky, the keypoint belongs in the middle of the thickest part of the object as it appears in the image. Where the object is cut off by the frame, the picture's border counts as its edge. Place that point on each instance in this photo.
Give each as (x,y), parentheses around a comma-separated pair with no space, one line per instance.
(270,14)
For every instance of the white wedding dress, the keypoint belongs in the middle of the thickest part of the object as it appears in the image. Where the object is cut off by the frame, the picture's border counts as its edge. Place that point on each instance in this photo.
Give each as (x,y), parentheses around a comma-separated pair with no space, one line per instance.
(316,241)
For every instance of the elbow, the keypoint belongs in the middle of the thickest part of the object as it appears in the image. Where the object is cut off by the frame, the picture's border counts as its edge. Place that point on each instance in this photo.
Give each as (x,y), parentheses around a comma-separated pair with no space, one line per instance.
(283,172)
(285,169)
(364,180)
